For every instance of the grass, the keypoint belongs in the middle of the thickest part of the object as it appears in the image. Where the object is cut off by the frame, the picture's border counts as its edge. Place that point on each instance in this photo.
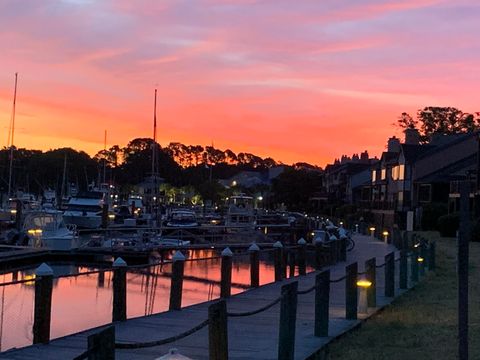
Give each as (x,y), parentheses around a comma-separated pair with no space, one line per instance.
(421,324)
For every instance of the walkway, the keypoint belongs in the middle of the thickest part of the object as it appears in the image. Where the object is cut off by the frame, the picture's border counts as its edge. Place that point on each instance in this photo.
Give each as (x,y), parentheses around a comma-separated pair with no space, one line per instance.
(253,337)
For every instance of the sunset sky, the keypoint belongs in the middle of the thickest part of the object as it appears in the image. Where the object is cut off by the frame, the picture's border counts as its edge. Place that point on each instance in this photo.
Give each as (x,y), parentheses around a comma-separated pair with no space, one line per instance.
(298,80)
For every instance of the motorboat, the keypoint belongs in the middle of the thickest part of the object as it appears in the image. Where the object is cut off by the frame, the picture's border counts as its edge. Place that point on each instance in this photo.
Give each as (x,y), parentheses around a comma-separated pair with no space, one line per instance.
(240,213)
(182,218)
(48,229)
(85,210)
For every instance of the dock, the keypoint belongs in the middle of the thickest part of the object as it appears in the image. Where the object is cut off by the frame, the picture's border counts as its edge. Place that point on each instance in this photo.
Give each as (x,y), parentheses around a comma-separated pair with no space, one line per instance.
(250,337)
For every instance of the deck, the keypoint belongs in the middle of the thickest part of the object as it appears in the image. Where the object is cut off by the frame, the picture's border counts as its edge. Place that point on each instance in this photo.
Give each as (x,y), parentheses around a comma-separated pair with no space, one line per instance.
(253,337)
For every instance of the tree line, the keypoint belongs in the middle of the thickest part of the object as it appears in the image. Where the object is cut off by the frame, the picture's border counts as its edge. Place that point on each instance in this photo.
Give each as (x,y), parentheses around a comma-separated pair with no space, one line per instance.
(188,166)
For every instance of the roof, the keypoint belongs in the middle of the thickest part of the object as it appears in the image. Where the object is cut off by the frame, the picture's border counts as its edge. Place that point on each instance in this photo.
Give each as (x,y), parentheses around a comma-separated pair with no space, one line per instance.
(454,171)
(412,152)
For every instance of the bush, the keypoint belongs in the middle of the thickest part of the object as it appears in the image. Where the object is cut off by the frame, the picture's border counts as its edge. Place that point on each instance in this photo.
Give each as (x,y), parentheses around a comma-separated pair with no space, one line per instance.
(431,213)
(448,225)
(475,236)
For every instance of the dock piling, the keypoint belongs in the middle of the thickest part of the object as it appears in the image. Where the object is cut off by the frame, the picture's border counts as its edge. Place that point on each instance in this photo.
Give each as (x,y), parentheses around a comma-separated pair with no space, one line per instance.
(371,275)
(43,304)
(278,261)
(217,331)
(254,251)
(302,257)
(322,303)
(226,273)
(403,283)
(390,275)
(119,311)
(351,295)
(176,287)
(288,318)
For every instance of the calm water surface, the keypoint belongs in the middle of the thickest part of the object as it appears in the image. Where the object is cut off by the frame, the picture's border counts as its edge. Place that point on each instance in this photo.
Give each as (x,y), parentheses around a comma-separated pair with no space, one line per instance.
(85,301)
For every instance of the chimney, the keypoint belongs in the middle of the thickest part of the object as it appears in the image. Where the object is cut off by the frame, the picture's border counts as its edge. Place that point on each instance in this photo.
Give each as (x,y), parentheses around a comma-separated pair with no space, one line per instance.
(393,145)
(412,137)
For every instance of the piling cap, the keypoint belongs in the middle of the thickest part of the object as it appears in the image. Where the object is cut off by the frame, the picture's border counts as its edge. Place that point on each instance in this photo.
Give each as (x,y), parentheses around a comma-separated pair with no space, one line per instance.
(178,256)
(119,262)
(227,252)
(44,270)
(173,354)
(333,238)
(254,247)
(318,240)
(301,242)
(278,244)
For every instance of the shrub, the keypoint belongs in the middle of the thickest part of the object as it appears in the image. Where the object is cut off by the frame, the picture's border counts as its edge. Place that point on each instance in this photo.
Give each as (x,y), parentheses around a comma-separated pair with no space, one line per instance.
(431,213)
(448,225)
(475,236)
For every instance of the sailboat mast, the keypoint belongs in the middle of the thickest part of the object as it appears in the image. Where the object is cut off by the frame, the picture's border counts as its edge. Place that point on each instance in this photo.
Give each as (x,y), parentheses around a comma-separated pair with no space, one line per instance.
(12,133)
(104,157)
(154,156)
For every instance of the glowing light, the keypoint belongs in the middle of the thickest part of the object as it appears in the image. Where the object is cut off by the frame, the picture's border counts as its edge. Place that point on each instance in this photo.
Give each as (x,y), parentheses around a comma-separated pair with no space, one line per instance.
(420,260)
(385,233)
(364,283)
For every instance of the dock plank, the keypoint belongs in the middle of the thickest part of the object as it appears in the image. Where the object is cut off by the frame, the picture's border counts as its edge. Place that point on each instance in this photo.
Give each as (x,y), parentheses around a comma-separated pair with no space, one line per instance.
(253,337)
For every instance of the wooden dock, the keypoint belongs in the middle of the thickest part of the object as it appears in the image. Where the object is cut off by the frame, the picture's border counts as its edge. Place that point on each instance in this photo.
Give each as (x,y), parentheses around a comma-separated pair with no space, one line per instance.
(252,337)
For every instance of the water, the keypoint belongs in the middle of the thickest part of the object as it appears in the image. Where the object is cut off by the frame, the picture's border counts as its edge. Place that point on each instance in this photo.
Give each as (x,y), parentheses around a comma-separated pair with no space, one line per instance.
(85,301)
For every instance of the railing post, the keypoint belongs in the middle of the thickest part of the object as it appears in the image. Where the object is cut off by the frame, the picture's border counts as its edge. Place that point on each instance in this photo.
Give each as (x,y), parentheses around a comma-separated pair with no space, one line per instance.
(43,304)
(432,259)
(291,262)
(390,275)
(288,318)
(318,254)
(105,216)
(351,294)
(102,344)
(414,265)
(278,260)
(336,249)
(371,275)
(322,303)
(302,257)
(176,283)
(226,273)
(343,248)
(119,311)
(218,331)
(254,251)
(403,270)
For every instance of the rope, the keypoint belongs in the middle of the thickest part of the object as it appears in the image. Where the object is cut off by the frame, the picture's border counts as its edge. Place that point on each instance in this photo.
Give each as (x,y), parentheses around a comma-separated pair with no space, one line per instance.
(17,282)
(303,292)
(163,341)
(398,259)
(380,266)
(362,273)
(254,312)
(85,354)
(81,273)
(338,280)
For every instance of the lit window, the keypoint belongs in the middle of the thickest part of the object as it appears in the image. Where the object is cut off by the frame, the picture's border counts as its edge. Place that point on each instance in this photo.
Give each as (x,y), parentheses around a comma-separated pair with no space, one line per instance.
(374,175)
(401,172)
(384,174)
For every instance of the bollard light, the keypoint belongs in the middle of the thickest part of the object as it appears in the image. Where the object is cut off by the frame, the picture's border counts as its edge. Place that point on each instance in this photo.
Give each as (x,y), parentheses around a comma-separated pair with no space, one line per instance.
(341,223)
(363,285)
(385,236)
(356,228)
(420,260)
(372,231)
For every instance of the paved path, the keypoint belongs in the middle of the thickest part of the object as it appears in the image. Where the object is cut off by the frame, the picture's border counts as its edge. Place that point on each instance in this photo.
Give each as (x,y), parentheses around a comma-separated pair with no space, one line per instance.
(253,337)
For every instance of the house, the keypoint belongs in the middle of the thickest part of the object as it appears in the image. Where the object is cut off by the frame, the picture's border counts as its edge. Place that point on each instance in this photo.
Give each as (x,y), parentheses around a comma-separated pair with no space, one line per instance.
(411,175)
(250,179)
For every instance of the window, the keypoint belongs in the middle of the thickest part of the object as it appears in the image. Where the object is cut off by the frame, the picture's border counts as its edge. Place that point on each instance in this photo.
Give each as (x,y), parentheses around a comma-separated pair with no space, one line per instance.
(398,172)
(374,175)
(384,174)
(425,193)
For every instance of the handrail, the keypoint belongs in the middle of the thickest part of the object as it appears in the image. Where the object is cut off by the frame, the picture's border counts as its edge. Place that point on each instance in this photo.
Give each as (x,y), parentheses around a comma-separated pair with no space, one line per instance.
(169,340)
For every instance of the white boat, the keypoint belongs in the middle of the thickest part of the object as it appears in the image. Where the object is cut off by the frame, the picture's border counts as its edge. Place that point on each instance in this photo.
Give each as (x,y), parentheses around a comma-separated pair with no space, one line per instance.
(180,218)
(85,210)
(240,213)
(47,229)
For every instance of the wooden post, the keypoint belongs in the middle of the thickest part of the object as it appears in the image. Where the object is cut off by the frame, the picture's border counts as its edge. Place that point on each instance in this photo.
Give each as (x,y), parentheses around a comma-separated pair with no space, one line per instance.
(218,331)
(431,250)
(105,216)
(278,261)
(322,303)
(291,262)
(176,284)
(335,250)
(414,265)
(226,273)
(18,214)
(43,304)
(371,275)
(318,254)
(102,344)
(424,253)
(390,275)
(302,257)
(288,318)
(462,270)
(343,248)
(254,251)
(351,294)
(403,270)
(119,311)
